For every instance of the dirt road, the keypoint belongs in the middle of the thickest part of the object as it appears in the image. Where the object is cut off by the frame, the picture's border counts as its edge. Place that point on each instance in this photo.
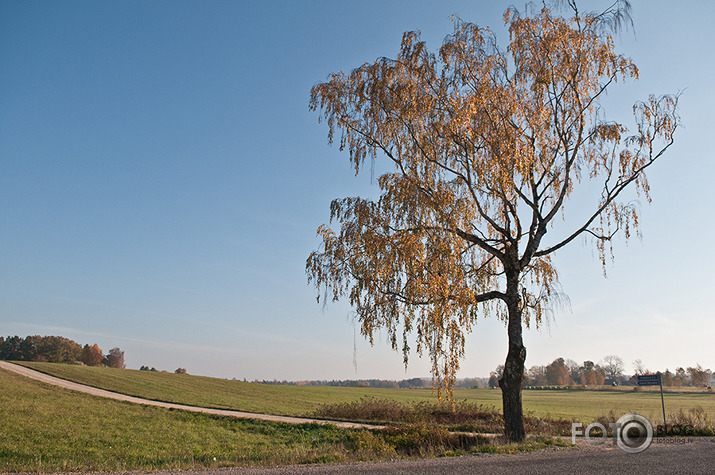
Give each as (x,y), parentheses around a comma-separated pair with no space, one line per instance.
(45,378)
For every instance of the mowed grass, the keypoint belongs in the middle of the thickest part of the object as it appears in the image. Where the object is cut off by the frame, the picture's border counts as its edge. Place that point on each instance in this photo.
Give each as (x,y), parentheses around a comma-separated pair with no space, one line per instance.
(44,429)
(587,406)
(218,393)
(578,405)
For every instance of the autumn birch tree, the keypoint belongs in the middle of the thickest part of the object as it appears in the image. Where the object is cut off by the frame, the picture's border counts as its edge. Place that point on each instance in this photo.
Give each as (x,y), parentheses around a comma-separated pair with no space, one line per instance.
(487,146)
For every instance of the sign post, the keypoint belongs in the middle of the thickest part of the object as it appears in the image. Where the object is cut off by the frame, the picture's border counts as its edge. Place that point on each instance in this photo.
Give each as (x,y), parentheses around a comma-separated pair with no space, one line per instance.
(652,380)
(662,402)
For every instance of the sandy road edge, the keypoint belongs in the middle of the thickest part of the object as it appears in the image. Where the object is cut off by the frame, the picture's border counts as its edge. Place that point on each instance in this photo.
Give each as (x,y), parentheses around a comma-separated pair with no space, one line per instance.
(63,383)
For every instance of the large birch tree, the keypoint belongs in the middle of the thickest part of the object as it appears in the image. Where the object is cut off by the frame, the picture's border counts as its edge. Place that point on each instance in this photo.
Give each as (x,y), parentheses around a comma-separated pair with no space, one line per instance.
(487,146)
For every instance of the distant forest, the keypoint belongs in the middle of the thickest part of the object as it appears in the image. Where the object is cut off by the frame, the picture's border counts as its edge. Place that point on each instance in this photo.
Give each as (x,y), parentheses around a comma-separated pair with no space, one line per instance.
(58,349)
(610,371)
(414,383)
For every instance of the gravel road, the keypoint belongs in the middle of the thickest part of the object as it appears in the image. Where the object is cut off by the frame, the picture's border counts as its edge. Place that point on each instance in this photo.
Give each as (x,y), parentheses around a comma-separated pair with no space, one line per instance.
(46,378)
(688,456)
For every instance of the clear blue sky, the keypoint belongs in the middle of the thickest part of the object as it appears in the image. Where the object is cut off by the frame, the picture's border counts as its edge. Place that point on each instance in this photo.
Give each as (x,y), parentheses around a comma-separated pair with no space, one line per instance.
(161,180)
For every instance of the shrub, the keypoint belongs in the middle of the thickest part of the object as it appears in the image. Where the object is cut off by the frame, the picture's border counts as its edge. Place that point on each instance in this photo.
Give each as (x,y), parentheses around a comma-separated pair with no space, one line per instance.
(462,415)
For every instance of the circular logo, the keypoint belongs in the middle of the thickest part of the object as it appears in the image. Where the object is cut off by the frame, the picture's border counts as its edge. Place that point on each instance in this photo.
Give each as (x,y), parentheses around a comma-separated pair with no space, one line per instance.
(634,433)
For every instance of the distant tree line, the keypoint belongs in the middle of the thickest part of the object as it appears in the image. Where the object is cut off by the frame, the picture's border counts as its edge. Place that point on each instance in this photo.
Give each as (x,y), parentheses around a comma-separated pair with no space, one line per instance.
(57,349)
(609,371)
(351,383)
(413,383)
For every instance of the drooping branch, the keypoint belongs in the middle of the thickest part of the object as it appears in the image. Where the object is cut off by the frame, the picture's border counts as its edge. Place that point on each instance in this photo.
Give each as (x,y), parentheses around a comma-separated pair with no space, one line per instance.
(662,122)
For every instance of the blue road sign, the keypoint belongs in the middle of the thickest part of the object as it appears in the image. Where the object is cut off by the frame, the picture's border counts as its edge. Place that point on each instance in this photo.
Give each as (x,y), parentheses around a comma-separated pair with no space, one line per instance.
(648,380)
(654,380)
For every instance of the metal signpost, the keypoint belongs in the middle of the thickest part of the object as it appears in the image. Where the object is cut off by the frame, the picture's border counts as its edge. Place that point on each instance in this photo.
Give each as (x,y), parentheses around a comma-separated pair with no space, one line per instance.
(652,380)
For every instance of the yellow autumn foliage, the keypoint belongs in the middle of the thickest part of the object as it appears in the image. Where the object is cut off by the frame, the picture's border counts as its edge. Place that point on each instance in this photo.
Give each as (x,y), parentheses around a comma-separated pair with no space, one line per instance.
(487,146)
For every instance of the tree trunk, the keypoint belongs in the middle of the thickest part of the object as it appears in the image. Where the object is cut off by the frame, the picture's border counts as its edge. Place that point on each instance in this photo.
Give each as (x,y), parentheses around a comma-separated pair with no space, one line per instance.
(513,377)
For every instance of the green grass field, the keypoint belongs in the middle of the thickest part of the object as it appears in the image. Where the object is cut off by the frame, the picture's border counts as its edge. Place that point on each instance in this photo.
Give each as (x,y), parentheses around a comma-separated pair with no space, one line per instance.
(579,405)
(44,428)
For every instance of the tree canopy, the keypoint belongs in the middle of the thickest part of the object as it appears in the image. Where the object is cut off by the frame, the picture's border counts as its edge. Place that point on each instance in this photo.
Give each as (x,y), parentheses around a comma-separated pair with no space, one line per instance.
(57,349)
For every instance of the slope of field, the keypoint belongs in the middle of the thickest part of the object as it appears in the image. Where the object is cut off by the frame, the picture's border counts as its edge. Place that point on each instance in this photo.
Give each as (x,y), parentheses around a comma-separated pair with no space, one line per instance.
(46,428)
(218,393)
(580,405)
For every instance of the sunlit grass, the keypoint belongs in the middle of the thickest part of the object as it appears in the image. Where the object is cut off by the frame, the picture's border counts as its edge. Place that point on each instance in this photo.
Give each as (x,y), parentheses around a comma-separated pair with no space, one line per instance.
(218,393)
(579,405)
(45,428)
